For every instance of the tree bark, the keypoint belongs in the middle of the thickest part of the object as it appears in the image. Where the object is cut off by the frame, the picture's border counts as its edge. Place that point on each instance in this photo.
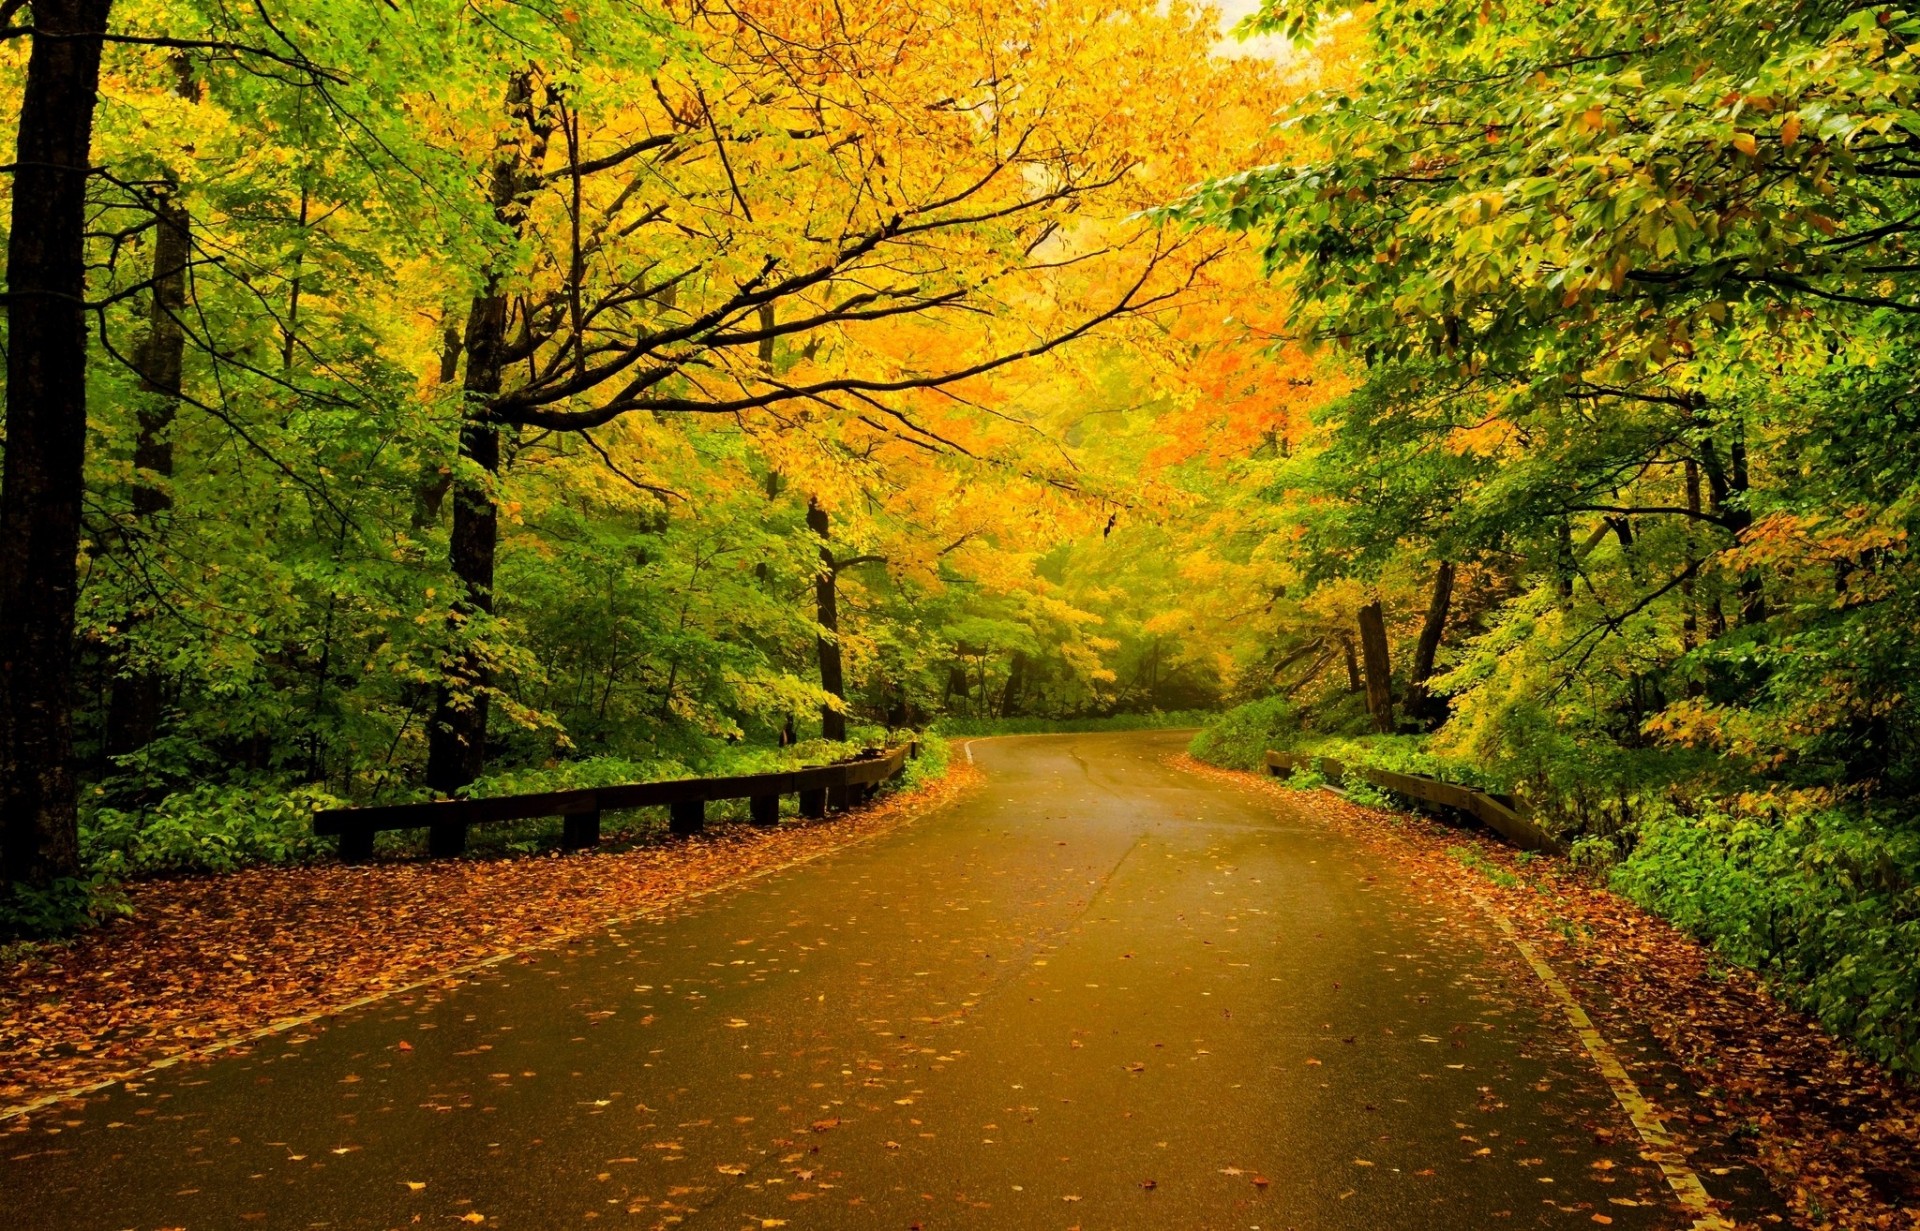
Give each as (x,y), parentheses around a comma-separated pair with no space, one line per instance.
(133,710)
(1373,647)
(1727,483)
(1420,702)
(457,737)
(46,428)
(1354,683)
(1690,622)
(833,722)
(434,485)
(1016,685)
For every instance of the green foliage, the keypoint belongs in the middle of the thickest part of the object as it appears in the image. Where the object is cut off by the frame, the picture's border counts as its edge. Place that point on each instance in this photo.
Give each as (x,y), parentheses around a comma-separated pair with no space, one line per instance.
(29,912)
(1240,738)
(936,753)
(216,827)
(1826,900)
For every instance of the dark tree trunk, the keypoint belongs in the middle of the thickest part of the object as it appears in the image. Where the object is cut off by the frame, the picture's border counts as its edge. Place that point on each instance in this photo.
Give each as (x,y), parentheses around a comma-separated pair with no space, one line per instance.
(1354,683)
(833,722)
(457,737)
(133,710)
(1690,622)
(1373,647)
(457,740)
(1753,592)
(1728,485)
(1016,685)
(1565,563)
(1420,703)
(767,323)
(46,428)
(433,488)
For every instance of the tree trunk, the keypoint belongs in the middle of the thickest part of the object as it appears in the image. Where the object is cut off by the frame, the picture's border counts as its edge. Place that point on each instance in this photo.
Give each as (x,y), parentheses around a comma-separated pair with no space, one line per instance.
(833,722)
(1690,622)
(1016,684)
(133,710)
(1420,702)
(432,490)
(1753,592)
(457,737)
(1728,485)
(1566,565)
(46,429)
(1354,683)
(1373,647)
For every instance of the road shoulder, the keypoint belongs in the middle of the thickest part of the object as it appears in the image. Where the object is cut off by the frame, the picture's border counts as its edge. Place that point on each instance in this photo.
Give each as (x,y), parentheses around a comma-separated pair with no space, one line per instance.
(209,963)
(1781,1121)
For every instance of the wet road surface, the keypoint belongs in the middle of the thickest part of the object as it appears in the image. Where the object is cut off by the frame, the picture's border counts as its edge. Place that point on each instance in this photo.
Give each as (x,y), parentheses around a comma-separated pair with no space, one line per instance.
(1094,992)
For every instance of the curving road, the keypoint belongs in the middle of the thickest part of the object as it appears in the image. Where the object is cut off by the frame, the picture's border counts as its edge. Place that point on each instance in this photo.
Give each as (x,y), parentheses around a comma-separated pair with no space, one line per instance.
(1095,992)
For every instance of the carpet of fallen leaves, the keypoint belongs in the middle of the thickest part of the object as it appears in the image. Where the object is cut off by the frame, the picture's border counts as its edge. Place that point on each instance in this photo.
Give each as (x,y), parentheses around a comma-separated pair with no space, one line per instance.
(1837,1136)
(205,959)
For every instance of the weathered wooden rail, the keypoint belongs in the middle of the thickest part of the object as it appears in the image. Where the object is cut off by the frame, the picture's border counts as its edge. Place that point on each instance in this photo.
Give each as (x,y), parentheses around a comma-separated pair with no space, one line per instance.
(1502,814)
(821,789)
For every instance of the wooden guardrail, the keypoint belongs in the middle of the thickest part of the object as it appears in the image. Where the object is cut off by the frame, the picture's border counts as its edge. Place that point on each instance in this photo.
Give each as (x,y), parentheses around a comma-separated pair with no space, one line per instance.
(822,788)
(1502,814)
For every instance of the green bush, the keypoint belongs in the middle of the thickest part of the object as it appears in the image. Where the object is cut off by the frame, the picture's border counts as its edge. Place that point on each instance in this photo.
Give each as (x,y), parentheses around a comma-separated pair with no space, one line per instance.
(1825,901)
(32,913)
(216,827)
(929,766)
(1239,738)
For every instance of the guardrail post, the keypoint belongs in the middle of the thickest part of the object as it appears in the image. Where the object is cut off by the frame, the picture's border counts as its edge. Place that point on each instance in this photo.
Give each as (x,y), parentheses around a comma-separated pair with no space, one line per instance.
(580,831)
(687,817)
(813,804)
(837,798)
(447,838)
(356,844)
(766,809)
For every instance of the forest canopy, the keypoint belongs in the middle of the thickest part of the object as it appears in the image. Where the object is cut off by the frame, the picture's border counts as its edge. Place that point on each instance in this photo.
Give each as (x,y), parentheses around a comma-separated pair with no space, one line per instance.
(447,396)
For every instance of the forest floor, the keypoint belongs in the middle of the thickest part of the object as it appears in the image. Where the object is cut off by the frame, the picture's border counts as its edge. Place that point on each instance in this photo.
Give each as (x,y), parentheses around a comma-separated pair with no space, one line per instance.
(1836,1135)
(206,962)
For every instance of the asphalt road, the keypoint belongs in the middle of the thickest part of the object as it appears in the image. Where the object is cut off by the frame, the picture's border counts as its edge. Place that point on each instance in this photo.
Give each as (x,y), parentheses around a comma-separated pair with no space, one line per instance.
(1095,992)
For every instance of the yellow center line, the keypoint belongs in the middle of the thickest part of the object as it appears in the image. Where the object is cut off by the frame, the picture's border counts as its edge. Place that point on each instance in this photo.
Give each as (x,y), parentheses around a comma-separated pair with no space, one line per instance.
(1661,1147)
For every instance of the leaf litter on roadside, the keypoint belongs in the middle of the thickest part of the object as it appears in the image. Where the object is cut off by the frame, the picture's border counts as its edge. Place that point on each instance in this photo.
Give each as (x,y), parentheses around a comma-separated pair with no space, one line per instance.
(1837,1137)
(206,959)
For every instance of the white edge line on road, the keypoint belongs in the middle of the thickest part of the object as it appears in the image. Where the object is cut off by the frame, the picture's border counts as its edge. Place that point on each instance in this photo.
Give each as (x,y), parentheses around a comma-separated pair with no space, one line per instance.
(968,749)
(305,1019)
(1661,1149)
